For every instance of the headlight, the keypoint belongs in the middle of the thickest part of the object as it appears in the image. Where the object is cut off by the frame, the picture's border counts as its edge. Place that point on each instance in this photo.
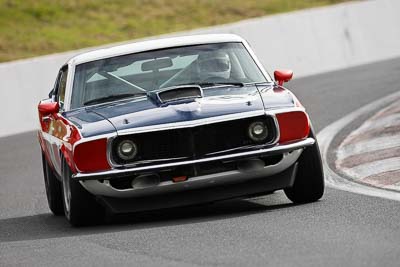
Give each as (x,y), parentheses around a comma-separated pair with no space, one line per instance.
(127,149)
(258,131)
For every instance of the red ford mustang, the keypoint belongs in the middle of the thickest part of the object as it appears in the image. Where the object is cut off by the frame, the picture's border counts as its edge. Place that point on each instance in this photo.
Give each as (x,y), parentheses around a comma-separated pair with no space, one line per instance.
(173,122)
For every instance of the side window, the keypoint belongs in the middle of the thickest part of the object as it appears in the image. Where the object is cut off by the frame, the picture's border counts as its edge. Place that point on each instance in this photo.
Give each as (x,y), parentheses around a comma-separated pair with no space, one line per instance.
(61,88)
(54,91)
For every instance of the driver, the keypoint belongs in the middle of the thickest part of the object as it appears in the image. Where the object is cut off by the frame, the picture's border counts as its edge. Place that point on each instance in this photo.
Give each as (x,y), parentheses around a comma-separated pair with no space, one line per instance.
(214,65)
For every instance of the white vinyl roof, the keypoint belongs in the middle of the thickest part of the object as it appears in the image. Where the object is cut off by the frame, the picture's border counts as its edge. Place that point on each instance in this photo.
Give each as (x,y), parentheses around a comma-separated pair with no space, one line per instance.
(153,45)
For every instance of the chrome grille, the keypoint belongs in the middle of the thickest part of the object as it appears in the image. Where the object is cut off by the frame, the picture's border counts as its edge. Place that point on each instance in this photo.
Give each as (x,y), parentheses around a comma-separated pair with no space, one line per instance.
(194,142)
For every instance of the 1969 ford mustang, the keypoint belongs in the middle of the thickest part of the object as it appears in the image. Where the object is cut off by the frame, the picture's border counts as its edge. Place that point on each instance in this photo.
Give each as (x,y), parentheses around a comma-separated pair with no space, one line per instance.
(173,122)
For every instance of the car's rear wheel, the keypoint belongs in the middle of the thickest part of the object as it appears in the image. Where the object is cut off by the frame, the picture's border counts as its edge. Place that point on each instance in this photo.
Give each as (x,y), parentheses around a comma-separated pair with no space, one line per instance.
(309,183)
(80,207)
(53,188)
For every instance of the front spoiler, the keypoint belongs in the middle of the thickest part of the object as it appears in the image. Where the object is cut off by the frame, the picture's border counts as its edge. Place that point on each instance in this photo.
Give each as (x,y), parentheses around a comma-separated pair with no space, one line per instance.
(243,189)
(104,188)
(278,149)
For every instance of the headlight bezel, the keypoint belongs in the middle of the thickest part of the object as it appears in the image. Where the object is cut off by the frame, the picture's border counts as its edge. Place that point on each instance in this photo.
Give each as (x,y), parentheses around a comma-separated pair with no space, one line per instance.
(254,127)
(127,156)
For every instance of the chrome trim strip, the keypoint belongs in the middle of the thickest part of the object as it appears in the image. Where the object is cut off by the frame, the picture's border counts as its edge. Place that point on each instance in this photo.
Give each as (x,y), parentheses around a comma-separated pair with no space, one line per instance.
(276,124)
(283,110)
(104,188)
(92,138)
(69,87)
(273,150)
(109,151)
(159,160)
(194,123)
(235,149)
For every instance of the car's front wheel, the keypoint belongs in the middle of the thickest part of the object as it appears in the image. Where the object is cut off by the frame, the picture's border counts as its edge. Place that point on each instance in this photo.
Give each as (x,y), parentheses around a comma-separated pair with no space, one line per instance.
(309,182)
(80,207)
(53,188)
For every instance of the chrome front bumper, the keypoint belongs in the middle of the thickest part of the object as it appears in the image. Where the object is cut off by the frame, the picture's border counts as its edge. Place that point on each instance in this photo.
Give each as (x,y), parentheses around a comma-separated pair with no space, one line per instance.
(290,152)
(278,149)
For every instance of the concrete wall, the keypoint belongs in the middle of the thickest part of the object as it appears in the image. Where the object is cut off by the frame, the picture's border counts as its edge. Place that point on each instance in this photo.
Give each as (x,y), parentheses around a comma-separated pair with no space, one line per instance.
(308,41)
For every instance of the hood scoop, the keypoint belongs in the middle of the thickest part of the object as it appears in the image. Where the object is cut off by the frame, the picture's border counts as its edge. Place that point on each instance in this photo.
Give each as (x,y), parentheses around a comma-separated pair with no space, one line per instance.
(178,94)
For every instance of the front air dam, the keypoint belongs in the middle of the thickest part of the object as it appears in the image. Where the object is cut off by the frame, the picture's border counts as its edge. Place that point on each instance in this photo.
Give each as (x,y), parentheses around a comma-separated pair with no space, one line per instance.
(261,186)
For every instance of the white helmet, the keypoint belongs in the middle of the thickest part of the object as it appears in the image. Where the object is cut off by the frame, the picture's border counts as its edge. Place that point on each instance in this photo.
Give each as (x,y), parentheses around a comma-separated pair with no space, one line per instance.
(214,64)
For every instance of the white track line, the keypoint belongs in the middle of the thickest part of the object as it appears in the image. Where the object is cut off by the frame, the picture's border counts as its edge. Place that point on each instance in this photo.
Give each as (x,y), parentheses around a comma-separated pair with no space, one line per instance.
(369,145)
(373,168)
(325,138)
(390,120)
(393,186)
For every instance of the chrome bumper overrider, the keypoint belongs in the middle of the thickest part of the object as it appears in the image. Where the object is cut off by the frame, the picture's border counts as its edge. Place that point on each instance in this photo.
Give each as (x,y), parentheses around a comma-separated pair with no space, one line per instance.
(290,152)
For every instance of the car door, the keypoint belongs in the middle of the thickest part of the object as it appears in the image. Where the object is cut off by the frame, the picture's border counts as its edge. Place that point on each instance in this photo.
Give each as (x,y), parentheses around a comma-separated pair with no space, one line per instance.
(55,128)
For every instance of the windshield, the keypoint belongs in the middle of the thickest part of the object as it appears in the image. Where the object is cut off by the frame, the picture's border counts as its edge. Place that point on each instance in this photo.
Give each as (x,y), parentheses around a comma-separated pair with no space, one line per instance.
(136,74)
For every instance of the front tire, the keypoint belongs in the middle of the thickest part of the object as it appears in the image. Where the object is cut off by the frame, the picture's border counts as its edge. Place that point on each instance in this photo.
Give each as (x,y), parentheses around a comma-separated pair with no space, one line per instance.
(53,189)
(80,207)
(309,183)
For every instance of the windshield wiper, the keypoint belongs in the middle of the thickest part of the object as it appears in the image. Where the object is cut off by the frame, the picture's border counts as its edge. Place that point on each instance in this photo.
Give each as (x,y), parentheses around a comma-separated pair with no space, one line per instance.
(222,83)
(210,84)
(111,98)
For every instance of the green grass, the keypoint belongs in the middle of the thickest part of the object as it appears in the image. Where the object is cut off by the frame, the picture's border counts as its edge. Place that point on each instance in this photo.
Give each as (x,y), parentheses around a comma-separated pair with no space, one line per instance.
(30,28)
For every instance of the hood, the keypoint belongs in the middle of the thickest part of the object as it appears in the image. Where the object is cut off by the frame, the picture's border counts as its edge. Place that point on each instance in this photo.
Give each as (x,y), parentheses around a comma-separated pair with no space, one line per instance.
(143,111)
(274,96)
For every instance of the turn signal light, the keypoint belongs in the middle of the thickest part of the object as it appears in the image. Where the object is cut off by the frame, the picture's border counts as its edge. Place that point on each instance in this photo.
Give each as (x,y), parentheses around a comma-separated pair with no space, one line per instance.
(91,156)
(293,126)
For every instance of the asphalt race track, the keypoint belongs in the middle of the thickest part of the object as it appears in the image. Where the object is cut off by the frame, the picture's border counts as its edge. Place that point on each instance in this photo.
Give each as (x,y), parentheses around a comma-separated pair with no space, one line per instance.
(343,229)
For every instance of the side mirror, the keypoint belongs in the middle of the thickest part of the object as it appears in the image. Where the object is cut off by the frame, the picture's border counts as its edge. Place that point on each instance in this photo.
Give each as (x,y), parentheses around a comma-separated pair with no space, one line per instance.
(282,76)
(47,108)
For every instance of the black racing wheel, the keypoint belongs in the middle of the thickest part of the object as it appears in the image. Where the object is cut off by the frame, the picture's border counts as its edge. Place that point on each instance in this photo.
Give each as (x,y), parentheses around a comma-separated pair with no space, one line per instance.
(53,188)
(309,182)
(80,207)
